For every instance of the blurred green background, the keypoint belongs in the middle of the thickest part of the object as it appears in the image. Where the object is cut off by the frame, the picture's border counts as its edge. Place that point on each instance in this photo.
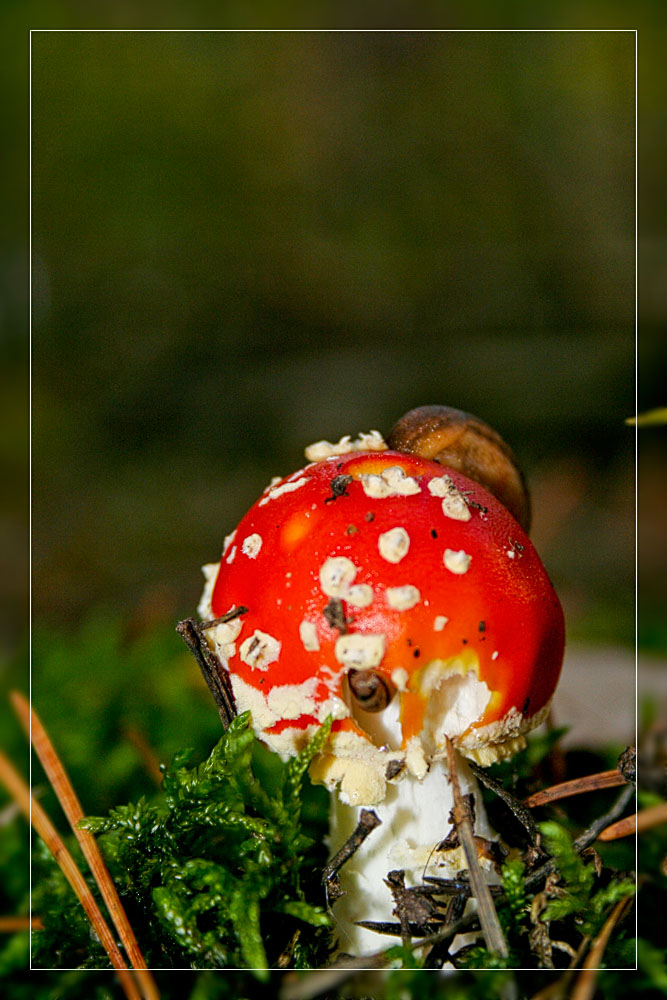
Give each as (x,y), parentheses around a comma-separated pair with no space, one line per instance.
(243,242)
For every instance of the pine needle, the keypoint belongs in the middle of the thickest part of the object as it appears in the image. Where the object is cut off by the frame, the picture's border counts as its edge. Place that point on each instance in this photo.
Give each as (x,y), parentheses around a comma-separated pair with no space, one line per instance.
(577,786)
(639,822)
(20,792)
(145,750)
(584,987)
(13,925)
(74,813)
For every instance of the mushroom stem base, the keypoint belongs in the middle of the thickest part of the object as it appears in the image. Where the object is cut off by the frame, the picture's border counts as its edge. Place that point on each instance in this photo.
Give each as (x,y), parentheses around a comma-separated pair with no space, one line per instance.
(415,818)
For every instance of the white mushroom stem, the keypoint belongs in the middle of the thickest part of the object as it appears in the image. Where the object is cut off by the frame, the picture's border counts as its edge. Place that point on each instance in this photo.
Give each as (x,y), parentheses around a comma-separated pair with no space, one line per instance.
(415,820)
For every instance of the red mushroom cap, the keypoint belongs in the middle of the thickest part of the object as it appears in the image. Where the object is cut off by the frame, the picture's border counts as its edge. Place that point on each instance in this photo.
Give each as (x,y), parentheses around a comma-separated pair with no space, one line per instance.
(385,572)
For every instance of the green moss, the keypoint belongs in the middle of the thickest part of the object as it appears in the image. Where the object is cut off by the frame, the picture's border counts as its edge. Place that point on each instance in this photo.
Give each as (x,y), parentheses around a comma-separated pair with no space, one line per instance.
(210,871)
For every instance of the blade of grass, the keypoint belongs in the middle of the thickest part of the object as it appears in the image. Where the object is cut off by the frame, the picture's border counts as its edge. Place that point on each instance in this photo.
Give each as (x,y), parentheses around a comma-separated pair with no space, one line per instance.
(488,918)
(73,811)
(577,786)
(20,792)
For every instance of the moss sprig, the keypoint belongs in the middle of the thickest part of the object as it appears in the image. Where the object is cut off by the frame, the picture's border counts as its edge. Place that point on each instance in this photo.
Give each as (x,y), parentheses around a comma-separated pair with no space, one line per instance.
(211,871)
(577,895)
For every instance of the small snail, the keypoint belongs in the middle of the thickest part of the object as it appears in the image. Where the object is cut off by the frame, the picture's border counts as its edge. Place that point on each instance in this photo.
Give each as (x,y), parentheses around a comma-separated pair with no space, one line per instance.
(468,445)
(371,690)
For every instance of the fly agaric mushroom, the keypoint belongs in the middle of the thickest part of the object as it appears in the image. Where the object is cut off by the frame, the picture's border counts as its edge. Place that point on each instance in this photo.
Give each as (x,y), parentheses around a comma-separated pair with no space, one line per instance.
(402,599)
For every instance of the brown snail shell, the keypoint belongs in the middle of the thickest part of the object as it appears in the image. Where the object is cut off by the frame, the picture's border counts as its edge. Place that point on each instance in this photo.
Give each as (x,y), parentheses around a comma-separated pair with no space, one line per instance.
(468,445)
(371,690)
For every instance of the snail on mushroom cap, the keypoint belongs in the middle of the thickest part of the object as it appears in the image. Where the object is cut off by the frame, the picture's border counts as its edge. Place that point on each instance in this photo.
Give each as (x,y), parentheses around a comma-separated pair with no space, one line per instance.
(396,594)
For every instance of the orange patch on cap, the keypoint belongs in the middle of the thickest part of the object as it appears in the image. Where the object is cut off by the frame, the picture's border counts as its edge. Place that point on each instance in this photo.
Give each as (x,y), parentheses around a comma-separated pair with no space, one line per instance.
(296,529)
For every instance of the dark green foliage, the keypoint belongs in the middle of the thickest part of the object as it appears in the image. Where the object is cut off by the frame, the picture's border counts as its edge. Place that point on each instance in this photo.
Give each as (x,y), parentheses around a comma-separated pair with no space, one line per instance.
(650,980)
(67,940)
(101,690)
(579,897)
(423,985)
(210,872)
(516,899)
(579,900)
(652,967)
(173,985)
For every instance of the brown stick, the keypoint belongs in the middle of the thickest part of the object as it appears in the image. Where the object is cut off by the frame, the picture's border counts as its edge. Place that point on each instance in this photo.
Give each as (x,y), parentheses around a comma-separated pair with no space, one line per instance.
(488,918)
(213,672)
(73,811)
(19,791)
(577,786)
(644,820)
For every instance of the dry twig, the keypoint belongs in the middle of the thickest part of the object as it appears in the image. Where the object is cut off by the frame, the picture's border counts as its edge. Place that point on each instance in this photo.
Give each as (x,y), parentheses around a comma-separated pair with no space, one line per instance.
(488,918)
(516,806)
(193,634)
(368,820)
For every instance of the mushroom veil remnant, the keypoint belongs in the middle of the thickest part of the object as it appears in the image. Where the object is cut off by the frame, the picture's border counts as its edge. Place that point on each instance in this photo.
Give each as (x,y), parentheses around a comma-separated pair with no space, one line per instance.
(401,598)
